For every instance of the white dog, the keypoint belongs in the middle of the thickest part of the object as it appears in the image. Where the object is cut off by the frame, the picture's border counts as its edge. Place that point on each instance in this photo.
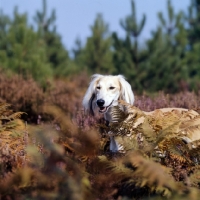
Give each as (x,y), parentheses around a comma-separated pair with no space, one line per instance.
(104,92)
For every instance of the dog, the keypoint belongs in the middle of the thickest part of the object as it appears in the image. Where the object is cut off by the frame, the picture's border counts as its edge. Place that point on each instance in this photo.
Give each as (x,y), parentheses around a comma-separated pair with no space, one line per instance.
(104,92)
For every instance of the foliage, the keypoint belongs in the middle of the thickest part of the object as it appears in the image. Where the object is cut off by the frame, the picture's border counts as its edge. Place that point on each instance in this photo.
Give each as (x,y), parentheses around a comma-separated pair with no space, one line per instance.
(169,39)
(193,17)
(27,95)
(68,93)
(22,94)
(157,138)
(62,160)
(151,102)
(56,53)
(97,55)
(66,155)
(128,56)
(21,51)
(130,24)
(47,161)
(167,61)
(13,140)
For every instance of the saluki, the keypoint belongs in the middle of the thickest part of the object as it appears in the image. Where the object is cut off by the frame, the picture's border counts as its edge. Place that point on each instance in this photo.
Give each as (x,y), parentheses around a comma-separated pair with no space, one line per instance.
(104,92)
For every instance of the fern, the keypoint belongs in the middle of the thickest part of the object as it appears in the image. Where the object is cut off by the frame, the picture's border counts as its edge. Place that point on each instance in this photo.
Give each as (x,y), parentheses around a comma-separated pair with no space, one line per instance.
(12,132)
(73,163)
(3,107)
(163,134)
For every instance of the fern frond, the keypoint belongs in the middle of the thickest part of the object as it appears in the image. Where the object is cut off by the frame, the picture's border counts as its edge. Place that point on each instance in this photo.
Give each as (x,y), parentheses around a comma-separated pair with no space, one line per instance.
(130,108)
(147,130)
(11,125)
(161,120)
(169,132)
(4,107)
(117,114)
(16,115)
(192,122)
(152,174)
(195,177)
(118,169)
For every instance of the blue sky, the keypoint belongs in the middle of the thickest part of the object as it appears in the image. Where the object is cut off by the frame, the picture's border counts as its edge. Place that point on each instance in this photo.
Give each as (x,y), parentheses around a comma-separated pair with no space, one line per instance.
(74,17)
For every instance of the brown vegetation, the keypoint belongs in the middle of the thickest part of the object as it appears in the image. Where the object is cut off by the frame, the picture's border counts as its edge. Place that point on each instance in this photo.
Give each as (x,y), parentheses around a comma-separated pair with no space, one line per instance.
(67,157)
(27,96)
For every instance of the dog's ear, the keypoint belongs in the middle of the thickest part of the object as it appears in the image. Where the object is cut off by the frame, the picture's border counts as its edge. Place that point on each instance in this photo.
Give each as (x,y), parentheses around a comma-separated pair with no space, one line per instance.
(90,94)
(126,91)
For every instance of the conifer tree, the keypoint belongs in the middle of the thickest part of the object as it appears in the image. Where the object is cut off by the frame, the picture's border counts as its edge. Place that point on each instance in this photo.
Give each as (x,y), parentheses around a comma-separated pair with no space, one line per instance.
(56,52)
(192,59)
(128,57)
(133,30)
(165,66)
(97,55)
(193,18)
(4,24)
(77,50)
(22,52)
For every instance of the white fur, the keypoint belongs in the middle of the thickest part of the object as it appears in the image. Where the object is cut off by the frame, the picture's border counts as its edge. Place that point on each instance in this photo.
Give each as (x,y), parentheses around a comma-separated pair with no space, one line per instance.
(110,89)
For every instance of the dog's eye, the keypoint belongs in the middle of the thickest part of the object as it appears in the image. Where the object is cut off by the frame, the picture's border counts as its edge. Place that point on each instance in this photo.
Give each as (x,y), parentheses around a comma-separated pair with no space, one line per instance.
(98,87)
(111,88)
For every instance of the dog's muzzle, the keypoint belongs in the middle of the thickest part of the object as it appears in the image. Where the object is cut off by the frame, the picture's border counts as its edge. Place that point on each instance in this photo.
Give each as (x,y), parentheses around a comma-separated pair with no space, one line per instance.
(102,108)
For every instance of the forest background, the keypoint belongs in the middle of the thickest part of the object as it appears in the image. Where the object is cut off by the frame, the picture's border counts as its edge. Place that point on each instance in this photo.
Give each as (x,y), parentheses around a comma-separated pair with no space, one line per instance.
(168,61)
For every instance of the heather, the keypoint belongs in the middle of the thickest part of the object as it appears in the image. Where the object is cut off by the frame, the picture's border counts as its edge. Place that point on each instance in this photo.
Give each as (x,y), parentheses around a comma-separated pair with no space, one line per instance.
(28,96)
(185,99)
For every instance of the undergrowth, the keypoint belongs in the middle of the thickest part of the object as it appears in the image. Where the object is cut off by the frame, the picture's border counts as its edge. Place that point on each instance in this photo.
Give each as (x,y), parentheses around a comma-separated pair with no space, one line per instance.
(65,161)
(27,96)
(64,153)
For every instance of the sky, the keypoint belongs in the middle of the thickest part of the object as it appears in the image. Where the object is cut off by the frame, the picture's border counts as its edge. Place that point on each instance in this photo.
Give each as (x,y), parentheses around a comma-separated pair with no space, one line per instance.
(74,17)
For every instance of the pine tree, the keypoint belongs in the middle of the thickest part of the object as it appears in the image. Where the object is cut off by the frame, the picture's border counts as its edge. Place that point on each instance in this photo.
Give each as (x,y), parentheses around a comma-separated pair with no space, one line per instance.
(133,29)
(193,18)
(128,57)
(56,52)
(77,50)
(4,24)
(192,59)
(165,66)
(97,54)
(22,51)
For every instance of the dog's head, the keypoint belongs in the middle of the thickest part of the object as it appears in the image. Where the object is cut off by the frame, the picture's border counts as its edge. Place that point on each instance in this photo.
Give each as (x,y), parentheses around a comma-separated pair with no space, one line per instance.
(105,91)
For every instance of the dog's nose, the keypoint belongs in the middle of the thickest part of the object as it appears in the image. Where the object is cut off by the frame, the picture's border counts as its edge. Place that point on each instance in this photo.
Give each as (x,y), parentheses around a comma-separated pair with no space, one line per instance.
(100,102)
